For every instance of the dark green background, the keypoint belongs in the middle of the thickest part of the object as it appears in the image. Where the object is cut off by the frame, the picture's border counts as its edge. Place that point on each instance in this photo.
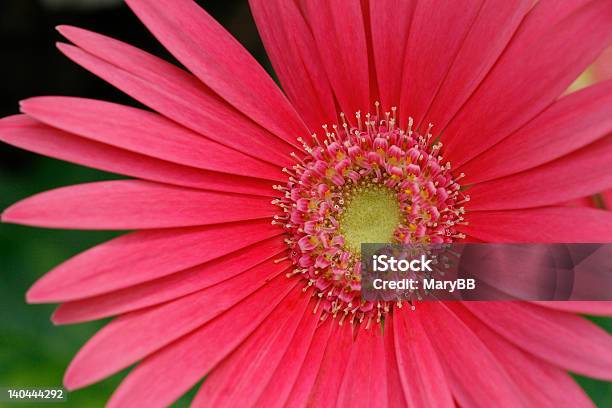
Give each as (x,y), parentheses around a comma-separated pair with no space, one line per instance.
(33,352)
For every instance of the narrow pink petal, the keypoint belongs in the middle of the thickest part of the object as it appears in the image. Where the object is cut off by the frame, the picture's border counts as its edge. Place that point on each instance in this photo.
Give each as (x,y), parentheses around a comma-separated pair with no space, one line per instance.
(226,67)
(143,132)
(323,340)
(570,123)
(586,307)
(549,224)
(436,34)
(487,37)
(563,339)
(475,377)
(390,22)
(164,376)
(27,133)
(135,335)
(541,384)
(396,397)
(365,381)
(516,89)
(134,204)
(169,287)
(172,92)
(580,173)
(421,374)
(296,61)
(240,379)
(333,367)
(300,353)
(143,256)
(339,32)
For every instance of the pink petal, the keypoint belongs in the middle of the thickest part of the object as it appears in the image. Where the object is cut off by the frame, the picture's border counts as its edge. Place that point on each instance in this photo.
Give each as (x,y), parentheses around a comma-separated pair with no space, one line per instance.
(309,340)
(481,47)
(570,123)
(226,67)
(533,71)
(586,307)
(333,367)
(143,256)
(166,375)
(29,134)
(240,379)
(143,132)
(602,67)
(541,384)
(549,224)
(169,287)
(365,380)
(437,32)
(421,373)
(581,173)
(172,92)
(323,338)
(475,376)
(339,33)
(292,51)
(134,204)
(390,22)
(135,335)
(562,339)
(395,394)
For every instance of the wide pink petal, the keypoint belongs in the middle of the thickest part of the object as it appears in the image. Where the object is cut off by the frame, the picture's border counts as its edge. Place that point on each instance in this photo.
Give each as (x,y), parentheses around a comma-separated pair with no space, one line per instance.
(541,384)
(240,379)
(563,339)
(548,224)
(143,132)
(437,32)
(421,373)
(169,287)
(486,38)
(164,376)
(325,389)
(600,308)
(204,47)
(570,123)
(390,22)
(339,32)
(134,204)
(172,92)
(533,71)
(296,61)
(27,133)
(143,256)
(475,377)
(581,173)
(134,335)
(322,339)
(365,380)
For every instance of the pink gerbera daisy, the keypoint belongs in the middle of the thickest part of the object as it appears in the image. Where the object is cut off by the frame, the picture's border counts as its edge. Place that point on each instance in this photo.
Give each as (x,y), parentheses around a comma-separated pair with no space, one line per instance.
(245,267)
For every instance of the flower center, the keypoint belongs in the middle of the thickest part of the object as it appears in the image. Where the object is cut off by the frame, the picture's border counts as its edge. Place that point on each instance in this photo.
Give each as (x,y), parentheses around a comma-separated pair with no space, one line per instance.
(371,214)
(367,181)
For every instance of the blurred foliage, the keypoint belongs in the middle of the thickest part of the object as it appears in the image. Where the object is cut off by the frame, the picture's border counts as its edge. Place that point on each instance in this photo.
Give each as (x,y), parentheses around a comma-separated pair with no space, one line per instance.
(34,352)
